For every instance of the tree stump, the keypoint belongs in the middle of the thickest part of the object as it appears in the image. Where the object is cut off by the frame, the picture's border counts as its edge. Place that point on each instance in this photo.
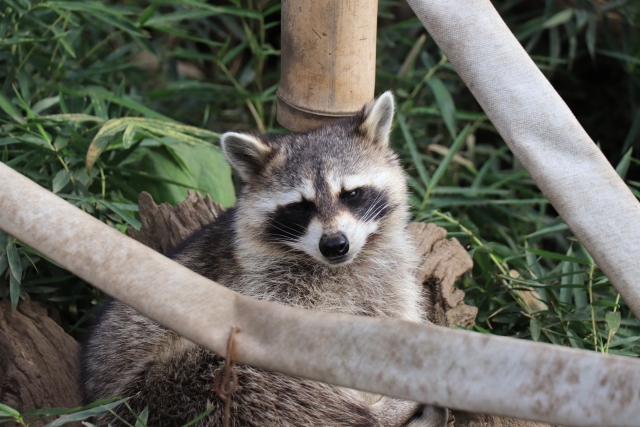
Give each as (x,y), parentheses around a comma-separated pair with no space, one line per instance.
(443,262)
(38,360)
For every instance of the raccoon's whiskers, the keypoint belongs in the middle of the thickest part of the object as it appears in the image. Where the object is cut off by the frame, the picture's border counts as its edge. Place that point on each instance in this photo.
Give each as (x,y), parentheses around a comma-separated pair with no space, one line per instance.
(273,221)
(372,205)
(279,226)
(375,213)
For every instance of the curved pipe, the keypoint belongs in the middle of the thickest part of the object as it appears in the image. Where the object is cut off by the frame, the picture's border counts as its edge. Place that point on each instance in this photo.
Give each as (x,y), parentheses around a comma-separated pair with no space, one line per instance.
(543,134)
(424,363)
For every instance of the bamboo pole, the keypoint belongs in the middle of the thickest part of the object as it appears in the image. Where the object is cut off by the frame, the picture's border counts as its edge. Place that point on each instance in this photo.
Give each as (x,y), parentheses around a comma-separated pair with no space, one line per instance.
(328,60)
(424,363)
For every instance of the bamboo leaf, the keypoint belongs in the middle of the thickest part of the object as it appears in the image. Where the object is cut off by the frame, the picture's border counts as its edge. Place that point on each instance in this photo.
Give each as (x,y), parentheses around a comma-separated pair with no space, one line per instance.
(99,106)
(619,55)
(88,413)
(579,293)
(122,214)
(220,10)
(604,303)
(129,134)
(623,341)
(14,291)
(590,35)
(45,103)
(199,417)
(613,321)
(9,411)
(108,15)
(14,261)
(102,139)
(633,134)
(535,327)
(63,40)
(143,418)
(10,109)
(574,340)
(552,229)
(553,255)
(61,179)
(73,118)
(4,240)
(66,411)
(623,165)
(124,101)
(558,19)
(415,155)
(34,140)
(22,6)
(147,13)
(21,40)
(4,262)
(446,161)
(206,170)
(445,103)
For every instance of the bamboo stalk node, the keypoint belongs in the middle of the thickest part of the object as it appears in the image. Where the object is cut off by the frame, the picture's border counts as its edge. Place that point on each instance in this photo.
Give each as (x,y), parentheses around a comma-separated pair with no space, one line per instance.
(328,66)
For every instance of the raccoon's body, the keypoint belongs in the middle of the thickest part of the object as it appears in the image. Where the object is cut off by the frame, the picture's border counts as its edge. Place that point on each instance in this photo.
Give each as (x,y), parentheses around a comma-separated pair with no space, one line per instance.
(320,224)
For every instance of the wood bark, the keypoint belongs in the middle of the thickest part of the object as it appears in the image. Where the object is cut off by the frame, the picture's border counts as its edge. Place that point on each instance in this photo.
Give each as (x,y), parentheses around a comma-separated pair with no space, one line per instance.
(38,360)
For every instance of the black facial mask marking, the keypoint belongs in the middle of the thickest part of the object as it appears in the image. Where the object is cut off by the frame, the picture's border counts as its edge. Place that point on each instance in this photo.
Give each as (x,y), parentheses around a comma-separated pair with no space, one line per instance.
(290,222)
(366,203)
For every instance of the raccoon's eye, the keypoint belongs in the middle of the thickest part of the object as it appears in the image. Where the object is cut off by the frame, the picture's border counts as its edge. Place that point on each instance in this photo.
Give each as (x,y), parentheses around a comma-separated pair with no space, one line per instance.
(303,206)
(351,194)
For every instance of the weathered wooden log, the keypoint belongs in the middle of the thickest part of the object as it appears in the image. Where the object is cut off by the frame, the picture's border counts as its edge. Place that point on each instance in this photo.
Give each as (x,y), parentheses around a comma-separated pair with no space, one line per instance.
(38,360)
(164,226)
(443,262)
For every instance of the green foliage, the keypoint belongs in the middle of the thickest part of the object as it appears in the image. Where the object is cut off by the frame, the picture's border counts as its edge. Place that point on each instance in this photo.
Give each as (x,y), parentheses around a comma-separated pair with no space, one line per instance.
(69,415)
(77,118)
(8,414)
(101,100)
(198,167)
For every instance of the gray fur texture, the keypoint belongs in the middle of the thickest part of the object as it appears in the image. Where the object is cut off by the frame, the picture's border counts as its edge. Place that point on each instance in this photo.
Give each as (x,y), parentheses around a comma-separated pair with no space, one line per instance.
(341,181)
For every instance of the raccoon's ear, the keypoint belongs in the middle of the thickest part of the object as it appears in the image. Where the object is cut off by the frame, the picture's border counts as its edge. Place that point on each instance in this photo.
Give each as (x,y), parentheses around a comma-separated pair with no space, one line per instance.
(377,118)
(246,153)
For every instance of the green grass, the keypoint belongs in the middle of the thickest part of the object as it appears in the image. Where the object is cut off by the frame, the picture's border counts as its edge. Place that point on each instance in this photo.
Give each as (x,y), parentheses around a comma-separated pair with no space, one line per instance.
(69,415)
(103,99)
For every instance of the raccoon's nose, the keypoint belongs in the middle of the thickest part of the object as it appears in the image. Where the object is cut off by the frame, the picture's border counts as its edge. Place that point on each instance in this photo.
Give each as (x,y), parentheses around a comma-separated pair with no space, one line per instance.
(334,246)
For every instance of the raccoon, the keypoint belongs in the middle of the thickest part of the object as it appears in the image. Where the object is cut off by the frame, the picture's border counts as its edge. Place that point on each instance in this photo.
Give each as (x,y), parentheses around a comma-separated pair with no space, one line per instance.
(320,224)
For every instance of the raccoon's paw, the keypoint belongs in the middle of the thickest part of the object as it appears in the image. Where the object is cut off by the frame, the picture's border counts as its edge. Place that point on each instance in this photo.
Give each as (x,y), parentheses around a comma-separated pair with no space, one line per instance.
(432,416)
(392,412)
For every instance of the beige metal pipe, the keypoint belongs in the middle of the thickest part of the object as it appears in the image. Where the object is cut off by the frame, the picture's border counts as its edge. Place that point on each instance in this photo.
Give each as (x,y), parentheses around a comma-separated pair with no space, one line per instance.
(424,363)
(328,60)
(543,134)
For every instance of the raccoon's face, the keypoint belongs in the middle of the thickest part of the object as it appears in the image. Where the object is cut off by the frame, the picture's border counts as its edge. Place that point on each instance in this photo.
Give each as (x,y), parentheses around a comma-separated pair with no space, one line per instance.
(329,194)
